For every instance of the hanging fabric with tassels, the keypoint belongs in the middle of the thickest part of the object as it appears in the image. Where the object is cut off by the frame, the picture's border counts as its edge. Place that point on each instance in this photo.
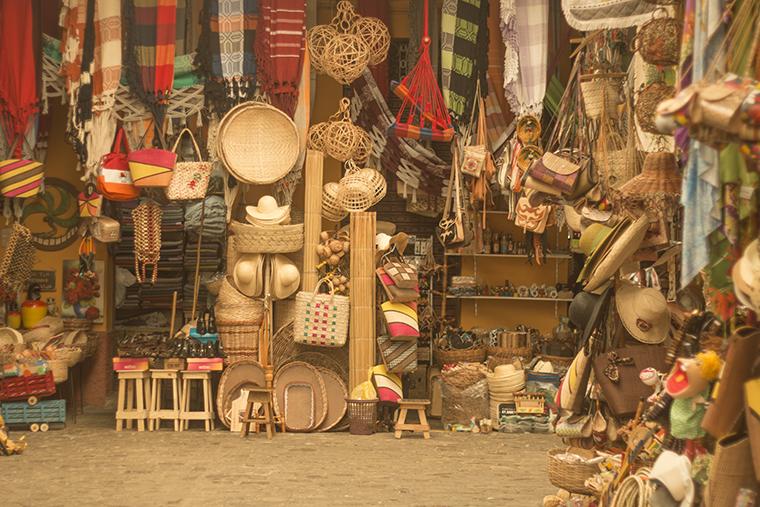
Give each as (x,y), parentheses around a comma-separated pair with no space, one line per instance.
(422,114)
(150,52)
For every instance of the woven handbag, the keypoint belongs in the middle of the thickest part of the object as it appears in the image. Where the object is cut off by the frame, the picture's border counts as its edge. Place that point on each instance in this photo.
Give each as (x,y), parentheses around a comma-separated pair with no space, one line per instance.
(398,357)
(90,202)
(189,179)
(147,219)
(114,179)
(321,319)
(152,167)
(17,260)
(19,177)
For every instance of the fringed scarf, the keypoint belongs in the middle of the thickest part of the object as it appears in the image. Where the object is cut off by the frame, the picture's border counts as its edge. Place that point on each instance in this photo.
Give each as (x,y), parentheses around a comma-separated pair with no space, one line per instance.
(225,51)
(280,43)
(150,51)
(19,92)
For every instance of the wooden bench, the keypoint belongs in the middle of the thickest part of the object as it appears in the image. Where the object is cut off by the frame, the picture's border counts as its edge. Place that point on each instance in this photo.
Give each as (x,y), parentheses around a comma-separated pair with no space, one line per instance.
(405,406)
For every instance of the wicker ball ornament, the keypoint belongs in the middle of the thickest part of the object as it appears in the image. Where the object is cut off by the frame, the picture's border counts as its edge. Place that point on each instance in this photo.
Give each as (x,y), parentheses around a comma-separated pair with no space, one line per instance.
(376,181)
(317,38)
(345,57)
(364,149)
(331,208)
(316,136)
(376,35)
(342,139)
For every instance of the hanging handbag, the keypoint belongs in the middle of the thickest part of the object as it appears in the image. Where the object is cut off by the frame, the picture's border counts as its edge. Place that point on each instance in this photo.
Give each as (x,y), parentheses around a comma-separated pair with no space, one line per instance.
(402,321)
(189,179)
(398,357)
(474,159)
(90,202)
(396,294)
(403,274)
(114,180)
(106,230)
(147,223)
(20,178)
(321,319)
(387,385)
(152,167)
(454,229)
(531,218)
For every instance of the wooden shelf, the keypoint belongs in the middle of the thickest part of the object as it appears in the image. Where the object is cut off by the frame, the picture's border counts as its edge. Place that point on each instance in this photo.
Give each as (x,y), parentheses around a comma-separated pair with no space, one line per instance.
(521,256)
(558,300)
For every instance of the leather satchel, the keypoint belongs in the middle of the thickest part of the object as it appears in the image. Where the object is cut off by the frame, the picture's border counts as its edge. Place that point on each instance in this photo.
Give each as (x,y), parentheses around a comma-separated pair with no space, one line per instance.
(532,218)
(555,171)
(617,372)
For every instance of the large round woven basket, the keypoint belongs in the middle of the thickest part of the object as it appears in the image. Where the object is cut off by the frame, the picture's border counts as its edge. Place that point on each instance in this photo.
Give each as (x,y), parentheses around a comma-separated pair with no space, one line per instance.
(475,355)
(257,142)
(270,239)
(571,476)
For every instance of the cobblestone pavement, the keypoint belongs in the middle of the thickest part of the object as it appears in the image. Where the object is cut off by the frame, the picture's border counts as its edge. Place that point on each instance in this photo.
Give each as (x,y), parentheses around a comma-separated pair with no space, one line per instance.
(90,464)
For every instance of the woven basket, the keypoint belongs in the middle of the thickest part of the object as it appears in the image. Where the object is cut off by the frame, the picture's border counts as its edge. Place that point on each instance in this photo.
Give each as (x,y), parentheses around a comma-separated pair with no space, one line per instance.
(646,105)
(258,143)
(476,355)
(354,191)
(234,307)
(362,416)
(271,239)
(77,325)
(509,352)
(571,476)
(239,339)
(659,40)
(71,355)
(596,92)
(375,181)
(60,369)
(331,207)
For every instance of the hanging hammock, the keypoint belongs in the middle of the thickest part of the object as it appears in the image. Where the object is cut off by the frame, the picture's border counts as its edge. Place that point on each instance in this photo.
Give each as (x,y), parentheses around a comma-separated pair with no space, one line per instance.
(422,114)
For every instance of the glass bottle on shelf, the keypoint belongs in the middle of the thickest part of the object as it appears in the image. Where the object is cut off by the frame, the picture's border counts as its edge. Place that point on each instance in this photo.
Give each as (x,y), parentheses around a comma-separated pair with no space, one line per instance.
(510,244)
(495,237)
(486,242)
(503,244)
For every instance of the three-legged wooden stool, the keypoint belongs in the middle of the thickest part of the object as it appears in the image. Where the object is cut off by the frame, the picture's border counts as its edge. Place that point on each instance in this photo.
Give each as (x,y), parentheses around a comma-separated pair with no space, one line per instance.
(262,396)
(207,414)
(419,406)
(134,393)
(156,411)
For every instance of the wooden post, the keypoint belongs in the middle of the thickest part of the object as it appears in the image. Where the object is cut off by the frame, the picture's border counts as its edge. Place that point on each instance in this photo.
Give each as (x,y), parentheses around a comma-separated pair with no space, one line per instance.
(361,345)
(312,222)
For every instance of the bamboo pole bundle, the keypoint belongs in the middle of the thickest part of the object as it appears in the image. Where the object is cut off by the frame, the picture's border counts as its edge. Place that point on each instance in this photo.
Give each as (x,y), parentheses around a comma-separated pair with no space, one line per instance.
(361,345)
(312,222)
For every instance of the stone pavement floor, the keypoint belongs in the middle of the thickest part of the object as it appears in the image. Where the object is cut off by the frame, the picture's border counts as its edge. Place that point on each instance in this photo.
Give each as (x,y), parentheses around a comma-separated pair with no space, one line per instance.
(90,464)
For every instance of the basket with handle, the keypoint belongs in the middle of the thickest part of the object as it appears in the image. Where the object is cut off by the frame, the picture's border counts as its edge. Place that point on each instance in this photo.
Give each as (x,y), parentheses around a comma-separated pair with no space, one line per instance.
(190,179)
(321,319)
(355,192)
(239,339)
(571,476)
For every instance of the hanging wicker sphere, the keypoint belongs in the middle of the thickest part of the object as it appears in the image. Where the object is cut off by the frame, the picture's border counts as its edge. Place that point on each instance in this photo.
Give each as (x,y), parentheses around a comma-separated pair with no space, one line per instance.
(376,181)
(317,38)
(316,137)
(341,139)
(354,191)
(376,35)
(364,149)
(646,105)
(345,57)
(331,207)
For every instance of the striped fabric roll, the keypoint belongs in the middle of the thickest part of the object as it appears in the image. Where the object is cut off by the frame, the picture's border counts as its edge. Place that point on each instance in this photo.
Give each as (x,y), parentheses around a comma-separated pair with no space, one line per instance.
(401,319)
(20,178)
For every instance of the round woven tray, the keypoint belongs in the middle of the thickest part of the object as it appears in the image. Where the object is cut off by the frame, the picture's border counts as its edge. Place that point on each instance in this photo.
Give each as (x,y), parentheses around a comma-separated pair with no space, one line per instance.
(571,476)
(272,239)
(258,143)
(476,355)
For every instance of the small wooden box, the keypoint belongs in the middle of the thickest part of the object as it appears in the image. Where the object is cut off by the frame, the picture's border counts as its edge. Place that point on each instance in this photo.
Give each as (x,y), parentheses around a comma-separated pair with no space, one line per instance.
(131,364)
(529,403)
(174,363)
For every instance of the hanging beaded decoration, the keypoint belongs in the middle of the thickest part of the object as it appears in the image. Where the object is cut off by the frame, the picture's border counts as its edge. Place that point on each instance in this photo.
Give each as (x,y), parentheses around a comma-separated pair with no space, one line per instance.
(147,220)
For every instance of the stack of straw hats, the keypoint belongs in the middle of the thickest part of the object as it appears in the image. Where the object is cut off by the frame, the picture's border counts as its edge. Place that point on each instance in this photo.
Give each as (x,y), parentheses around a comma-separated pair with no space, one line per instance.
(503,383)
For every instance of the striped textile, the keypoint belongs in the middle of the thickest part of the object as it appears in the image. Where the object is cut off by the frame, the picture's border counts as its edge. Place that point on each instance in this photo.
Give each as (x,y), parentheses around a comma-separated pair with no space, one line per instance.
(107,57)
(280,44)
(20,178)
(401,319)
(460,27)
(399,357)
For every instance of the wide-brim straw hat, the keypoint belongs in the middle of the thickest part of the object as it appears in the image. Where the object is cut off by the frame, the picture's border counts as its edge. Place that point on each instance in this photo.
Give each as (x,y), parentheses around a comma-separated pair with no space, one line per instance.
(285,277)
(643,311)
(248,274)
(257,143)
(746,276)
(660,176)
(267,212)
(586,309)
(595,241)
(572,218)
(9,336)
(620,250)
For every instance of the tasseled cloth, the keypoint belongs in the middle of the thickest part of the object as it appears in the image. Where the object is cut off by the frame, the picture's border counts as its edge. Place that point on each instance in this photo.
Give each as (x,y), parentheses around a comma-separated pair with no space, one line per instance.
(19,63)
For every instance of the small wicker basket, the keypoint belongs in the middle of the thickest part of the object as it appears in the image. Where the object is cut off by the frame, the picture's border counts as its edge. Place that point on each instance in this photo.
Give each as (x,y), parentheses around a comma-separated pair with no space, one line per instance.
(362,416)
(354,191)
(474,355)
(239,339)
(376,182)
(571,476)
(71,355)
(331,207)
(60,369)
(270,239)
(601,95)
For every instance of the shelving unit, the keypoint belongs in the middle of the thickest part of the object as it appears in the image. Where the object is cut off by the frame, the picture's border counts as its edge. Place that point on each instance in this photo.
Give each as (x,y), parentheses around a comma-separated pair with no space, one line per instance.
(516,298)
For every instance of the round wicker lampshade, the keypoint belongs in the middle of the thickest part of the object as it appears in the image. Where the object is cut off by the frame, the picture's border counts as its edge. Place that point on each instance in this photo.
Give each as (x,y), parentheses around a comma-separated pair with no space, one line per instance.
(345,57)
(376,35)
(317,38)
(376,182)
(354,190)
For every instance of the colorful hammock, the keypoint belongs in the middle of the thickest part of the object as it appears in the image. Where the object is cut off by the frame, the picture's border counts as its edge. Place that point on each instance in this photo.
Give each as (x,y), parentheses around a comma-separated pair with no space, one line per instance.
(422,114)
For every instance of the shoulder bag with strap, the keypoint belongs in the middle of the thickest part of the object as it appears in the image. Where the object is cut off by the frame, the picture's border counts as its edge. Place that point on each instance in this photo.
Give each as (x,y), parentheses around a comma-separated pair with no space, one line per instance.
(114,180)
(454,230)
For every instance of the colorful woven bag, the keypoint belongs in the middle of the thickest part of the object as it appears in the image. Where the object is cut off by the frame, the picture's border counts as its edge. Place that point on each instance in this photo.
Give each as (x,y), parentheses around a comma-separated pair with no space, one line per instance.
(189,179)
(388,385)
(90,202)
(321,319)
(402,320)
(19,177)
(152,167)
(398,357)
(114,179)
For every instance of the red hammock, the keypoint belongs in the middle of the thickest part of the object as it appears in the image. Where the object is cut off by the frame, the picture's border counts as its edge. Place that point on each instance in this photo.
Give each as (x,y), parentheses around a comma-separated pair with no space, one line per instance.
(423,114)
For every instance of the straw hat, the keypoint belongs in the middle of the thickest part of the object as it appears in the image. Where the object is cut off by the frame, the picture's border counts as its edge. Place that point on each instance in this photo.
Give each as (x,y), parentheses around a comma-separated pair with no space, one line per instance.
(267,212)
(9,336)
(248,274)
(643,311)
(257,143)
(285,277)
(572,218)
(619,251)
(673,471)
(660,176)
(746,276)
(594,242)
(506,379)
(585,310)
(384,242)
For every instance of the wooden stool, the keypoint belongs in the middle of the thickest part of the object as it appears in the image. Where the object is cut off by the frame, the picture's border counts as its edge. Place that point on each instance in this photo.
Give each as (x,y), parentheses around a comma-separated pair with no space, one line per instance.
(207,414)
(132,384)
(263,396)
(156,411)
(419,406)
